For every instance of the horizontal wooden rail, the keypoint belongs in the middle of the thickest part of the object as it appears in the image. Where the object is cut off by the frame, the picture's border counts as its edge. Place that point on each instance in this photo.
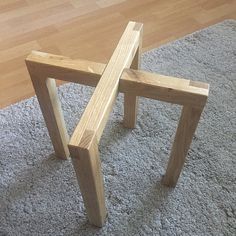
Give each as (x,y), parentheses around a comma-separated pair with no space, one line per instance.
(139,83)
(164,88)
(63,68)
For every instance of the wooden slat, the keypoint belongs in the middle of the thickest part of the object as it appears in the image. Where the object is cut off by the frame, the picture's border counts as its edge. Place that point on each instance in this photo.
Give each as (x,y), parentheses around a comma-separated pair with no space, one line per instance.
(83,144)
(98,109)
(63,68)
(138,83)
(164,88)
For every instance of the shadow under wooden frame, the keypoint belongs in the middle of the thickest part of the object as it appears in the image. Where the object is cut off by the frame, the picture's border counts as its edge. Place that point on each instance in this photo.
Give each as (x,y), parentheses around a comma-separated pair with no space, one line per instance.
(121,74)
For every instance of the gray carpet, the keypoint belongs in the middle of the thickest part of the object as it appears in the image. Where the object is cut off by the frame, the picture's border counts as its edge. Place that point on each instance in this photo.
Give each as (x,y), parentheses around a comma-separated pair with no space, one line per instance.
(39,194)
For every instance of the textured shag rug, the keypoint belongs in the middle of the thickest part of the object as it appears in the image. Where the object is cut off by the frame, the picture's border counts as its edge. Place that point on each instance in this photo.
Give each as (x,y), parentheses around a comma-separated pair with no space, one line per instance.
(39,194)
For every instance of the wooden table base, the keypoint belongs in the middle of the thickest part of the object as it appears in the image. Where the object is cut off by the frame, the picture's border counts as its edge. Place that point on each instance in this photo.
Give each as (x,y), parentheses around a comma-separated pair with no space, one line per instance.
(121,74)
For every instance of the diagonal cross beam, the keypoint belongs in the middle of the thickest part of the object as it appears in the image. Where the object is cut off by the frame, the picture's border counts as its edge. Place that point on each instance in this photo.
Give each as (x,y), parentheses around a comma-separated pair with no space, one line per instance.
(109,80)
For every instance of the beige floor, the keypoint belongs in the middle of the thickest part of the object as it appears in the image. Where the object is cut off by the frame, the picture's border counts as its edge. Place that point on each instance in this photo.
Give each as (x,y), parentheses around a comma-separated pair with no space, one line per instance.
(90,29)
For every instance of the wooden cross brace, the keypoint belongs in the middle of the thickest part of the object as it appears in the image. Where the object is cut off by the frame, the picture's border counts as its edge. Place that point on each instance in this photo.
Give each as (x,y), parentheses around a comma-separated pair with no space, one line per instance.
(109,80)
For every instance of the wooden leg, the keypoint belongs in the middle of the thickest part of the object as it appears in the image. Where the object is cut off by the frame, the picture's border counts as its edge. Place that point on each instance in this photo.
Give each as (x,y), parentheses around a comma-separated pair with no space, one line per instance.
(131,101)
(46,92)
(187,125)
(87,165)
(130,110)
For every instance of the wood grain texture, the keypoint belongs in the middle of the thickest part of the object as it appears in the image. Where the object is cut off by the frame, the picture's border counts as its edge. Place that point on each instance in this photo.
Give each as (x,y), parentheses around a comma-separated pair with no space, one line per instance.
(64,68)
(98,109)
(135,83)
(87,166)
(83,144)
(109,80)
(80,29)
(46,91)
(130,100)
(130,110)
(186,128)
(164,88)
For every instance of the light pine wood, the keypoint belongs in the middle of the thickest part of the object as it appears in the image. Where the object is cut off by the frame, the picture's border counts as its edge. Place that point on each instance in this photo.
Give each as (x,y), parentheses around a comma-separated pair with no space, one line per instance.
(164,88)
(109,80)
(90,30)
(130,100)
(46,91)
(87,166)
(130,110)
(83,144)
(187,125)
(138,83)
(98,109)
(63,68)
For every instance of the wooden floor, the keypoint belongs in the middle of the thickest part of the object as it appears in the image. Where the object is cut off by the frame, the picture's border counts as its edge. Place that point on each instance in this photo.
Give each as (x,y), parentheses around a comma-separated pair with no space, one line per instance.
(90,29)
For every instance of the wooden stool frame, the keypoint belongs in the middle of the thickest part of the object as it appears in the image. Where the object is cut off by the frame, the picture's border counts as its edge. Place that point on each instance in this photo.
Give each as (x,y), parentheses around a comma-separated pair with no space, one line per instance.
(110,79)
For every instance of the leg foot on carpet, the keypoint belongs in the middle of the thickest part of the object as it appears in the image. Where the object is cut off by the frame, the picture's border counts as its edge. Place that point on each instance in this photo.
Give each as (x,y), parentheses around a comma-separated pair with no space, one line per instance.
(187,125)
(87,165)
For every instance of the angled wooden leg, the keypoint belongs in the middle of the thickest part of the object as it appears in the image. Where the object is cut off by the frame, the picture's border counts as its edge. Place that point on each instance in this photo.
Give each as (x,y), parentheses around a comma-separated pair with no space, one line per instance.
(130,100)
(87,165)
(187,125)
(46,92)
